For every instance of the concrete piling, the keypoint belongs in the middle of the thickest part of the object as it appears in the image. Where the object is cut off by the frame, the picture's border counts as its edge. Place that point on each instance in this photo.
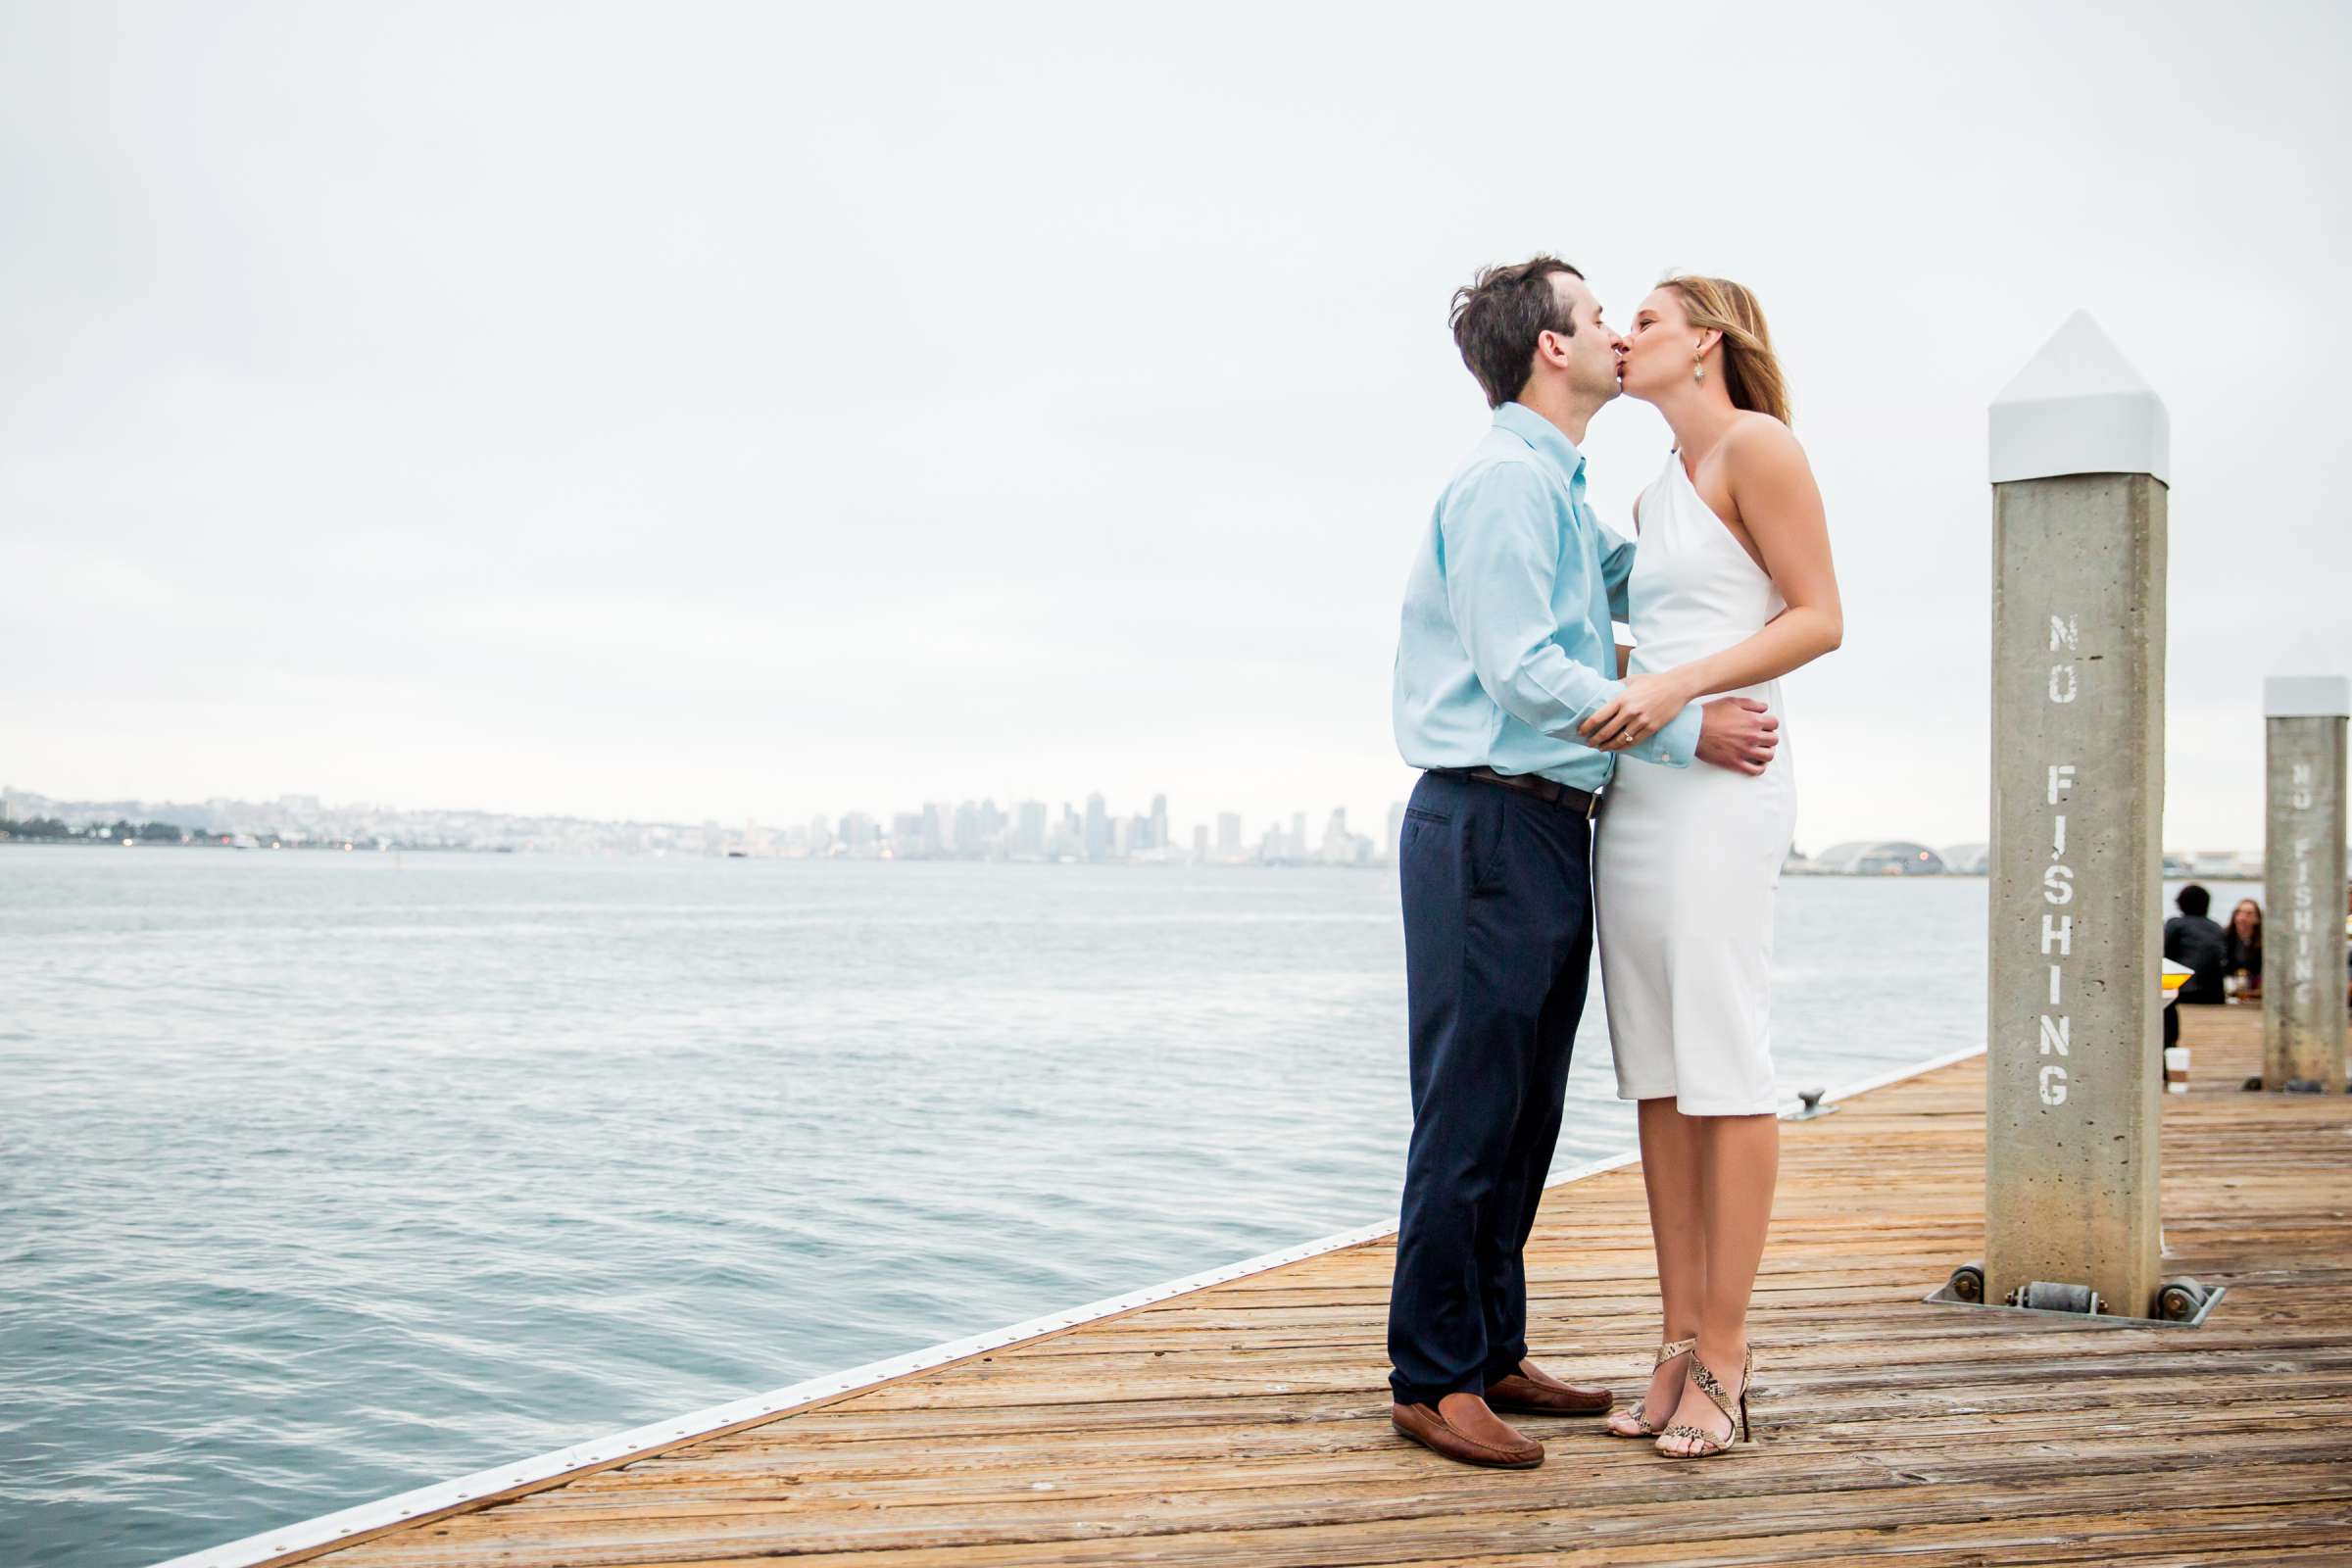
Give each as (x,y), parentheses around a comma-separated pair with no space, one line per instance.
(2303,882)
(2080,453)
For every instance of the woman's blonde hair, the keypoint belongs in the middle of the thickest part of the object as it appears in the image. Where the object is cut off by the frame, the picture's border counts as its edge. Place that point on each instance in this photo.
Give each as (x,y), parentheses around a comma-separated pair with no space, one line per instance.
(1751,372)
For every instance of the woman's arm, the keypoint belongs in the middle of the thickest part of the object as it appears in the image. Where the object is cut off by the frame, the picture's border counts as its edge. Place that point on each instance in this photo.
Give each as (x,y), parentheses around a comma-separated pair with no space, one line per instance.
(1772,486)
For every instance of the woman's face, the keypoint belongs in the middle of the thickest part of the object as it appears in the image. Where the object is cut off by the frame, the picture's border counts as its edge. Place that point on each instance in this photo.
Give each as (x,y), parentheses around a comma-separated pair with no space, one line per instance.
(1658,345)
(2245,917)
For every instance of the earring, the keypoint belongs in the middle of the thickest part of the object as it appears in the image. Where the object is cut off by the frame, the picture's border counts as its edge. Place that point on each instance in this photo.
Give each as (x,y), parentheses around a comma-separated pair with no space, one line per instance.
(1698,367)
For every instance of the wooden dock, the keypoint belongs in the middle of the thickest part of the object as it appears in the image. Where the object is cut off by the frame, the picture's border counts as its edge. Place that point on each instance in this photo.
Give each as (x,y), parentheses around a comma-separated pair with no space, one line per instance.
(1246,1423)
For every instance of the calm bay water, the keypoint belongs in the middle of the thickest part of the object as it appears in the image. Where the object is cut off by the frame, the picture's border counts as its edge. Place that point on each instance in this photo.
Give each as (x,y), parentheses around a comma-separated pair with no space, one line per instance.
(323,1176)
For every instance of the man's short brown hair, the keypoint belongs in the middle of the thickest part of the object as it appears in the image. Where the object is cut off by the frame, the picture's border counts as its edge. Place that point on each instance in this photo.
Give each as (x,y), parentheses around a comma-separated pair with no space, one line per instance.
(1497,318)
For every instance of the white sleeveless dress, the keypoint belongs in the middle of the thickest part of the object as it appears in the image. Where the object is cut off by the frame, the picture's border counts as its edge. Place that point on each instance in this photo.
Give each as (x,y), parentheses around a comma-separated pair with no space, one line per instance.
(1687,859)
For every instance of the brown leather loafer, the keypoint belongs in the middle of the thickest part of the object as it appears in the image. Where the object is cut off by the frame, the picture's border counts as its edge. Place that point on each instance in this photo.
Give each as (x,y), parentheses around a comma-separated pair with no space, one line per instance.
(1425,1424)
(1532,1389)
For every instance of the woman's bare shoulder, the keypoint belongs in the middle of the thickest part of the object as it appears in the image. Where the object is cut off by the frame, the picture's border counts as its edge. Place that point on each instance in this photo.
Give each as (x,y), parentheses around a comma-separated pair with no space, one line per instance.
(1758,443)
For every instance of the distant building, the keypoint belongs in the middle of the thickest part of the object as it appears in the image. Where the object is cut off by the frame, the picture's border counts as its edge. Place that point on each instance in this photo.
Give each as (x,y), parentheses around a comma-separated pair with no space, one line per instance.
(860,835)
(1229,835)
(906,835)
(1884,857)
(1968,860)
(1097,828)
(2221,863)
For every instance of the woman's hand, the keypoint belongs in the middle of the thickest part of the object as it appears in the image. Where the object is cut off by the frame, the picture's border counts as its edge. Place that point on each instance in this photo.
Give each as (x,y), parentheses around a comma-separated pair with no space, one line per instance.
(1647,705)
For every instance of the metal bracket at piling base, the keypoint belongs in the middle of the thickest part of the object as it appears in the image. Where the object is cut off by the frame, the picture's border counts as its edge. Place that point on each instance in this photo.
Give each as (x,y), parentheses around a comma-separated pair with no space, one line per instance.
(2182,1303)
(2052,1295)
(2293,1086)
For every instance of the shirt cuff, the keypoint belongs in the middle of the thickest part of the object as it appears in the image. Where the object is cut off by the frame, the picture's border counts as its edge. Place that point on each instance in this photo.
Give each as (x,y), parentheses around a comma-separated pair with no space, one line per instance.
(1675,746)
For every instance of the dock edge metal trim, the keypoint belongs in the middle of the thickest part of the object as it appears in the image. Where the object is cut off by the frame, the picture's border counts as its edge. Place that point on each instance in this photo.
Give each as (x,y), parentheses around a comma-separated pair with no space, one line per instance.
(500,1483)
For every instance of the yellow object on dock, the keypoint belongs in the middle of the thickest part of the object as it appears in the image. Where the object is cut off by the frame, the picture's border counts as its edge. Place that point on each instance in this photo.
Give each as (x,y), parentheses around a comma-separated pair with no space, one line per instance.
(1246,1423)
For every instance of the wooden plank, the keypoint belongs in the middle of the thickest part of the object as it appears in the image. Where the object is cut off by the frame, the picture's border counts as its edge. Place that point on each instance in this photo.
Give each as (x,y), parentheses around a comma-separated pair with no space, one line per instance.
(1248,1423)
(1491,1520)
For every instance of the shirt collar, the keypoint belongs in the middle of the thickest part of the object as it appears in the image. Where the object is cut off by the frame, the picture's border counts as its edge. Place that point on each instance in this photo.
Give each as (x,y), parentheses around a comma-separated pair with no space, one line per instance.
(1545,437)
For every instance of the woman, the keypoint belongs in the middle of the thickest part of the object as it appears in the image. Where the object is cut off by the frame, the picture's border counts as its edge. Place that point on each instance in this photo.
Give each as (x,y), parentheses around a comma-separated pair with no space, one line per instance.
(1731,588)
(2241,949)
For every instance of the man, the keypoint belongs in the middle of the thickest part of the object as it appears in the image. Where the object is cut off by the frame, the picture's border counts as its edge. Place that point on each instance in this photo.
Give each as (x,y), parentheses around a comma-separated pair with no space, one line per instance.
(2192,939)
(1506,648)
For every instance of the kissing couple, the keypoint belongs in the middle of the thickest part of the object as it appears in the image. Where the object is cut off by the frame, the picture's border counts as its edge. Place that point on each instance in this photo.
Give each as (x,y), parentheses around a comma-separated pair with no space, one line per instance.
(1569,785)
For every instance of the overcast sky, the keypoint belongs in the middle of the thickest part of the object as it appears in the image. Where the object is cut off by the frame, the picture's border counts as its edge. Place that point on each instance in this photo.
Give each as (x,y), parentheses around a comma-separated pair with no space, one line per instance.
(691,411)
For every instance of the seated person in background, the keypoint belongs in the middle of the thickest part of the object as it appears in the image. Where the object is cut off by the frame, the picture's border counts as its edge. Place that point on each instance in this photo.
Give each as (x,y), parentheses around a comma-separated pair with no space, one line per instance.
(2241,948)
(2191,938)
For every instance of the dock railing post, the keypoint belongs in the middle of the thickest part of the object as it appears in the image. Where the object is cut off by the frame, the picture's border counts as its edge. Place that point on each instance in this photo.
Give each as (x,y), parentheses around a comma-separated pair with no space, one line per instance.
(2080,460)
(2303,882)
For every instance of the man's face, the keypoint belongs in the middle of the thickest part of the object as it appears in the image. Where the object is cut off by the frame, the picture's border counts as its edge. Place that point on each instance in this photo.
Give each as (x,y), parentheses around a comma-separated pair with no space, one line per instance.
(1590,354)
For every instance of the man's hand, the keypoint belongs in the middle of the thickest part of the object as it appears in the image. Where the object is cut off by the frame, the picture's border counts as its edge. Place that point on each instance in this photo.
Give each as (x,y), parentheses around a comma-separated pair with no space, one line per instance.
(1737,733)
(1647,705)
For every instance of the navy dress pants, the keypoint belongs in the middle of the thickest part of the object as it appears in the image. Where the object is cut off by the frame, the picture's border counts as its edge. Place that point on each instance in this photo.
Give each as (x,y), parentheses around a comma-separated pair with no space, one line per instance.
(1498,948)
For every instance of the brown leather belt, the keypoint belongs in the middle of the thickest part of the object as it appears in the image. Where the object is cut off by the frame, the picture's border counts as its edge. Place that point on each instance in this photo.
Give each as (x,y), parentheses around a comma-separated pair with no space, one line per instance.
(1565,796)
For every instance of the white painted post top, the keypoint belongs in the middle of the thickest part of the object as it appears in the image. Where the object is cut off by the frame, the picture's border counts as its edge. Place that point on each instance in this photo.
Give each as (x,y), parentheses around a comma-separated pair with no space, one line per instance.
(2078,407)
(2307,696)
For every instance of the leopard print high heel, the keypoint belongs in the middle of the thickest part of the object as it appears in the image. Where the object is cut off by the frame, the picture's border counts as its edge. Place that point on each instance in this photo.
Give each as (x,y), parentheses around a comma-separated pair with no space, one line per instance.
(1735,1413)
(1666,1353)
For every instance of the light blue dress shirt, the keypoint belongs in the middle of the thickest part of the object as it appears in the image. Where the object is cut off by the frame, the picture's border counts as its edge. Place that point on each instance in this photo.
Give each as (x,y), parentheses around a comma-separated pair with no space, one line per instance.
(1506,644)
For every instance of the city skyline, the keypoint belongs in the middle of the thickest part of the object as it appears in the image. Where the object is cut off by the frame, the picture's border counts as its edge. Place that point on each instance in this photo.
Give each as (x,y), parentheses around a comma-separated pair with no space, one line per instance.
(968,829)
(1026,830)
